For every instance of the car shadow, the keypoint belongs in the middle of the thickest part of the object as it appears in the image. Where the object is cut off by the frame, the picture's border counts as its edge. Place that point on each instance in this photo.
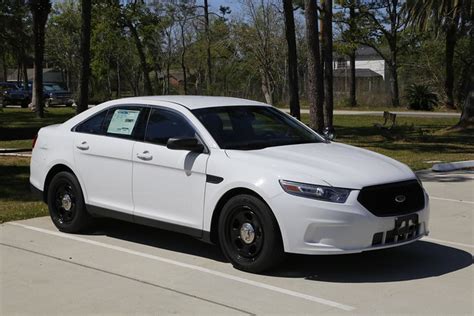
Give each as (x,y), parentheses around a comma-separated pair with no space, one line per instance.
(157,238)
(418,260)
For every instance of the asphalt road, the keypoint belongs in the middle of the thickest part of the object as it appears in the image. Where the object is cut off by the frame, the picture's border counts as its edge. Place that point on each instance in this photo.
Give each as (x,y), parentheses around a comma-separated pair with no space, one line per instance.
(128,269)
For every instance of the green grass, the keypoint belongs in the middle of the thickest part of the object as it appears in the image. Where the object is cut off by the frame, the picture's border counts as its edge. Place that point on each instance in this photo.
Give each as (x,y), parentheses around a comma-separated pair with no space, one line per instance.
(414,141)
(21,124)
(16,202)
(365,107)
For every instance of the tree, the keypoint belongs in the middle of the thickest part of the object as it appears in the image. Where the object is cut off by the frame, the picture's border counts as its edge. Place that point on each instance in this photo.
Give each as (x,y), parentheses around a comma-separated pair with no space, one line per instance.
(134,14)
(347,22)
(63,39)
(40,10)
(381,23)
(292,58)
(328,52)
(208,47)
(448,16)
(315,73)
(86,12)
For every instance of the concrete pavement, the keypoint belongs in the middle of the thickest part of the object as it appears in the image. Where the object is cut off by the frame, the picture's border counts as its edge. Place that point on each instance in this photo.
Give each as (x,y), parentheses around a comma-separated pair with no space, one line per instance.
(121,268)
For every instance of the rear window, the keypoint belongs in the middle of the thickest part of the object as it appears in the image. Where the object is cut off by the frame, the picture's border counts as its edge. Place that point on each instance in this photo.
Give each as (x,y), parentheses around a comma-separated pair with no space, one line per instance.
(92,125)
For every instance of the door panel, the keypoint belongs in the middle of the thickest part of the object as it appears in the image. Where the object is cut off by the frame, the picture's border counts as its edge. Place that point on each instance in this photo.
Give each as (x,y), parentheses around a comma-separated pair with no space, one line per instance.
(103,147)
(168,185)
(106,170)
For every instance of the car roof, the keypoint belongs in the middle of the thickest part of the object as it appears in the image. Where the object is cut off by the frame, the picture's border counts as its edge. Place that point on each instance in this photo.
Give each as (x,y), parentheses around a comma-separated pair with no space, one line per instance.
(193,101)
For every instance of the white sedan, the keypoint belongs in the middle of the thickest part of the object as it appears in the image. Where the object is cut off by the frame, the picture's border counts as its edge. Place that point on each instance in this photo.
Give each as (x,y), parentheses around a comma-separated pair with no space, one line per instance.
(234,172)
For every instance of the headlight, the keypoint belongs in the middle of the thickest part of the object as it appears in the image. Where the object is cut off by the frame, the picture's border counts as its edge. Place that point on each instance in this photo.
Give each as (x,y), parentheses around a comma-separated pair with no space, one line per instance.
(51,95)
(319,192)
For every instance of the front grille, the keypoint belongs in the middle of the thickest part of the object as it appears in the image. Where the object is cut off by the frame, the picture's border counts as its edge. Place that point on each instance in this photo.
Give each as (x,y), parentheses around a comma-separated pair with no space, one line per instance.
(393,199)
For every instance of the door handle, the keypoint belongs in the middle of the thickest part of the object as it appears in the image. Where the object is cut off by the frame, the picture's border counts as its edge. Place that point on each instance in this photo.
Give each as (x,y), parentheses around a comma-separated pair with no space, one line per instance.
(83,146)
(145,155)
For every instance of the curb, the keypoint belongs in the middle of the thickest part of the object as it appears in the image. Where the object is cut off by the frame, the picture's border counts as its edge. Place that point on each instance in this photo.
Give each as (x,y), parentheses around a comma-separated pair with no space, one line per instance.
(450,166)
(14,150)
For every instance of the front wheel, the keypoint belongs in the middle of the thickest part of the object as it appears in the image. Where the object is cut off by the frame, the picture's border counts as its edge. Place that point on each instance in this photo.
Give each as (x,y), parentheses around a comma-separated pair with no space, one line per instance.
(66,204)
(249,235)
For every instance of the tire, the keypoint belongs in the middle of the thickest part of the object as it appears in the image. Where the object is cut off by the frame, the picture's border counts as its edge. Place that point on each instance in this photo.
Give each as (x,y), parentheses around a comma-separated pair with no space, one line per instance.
(254,254)
(66,204)
(24,104)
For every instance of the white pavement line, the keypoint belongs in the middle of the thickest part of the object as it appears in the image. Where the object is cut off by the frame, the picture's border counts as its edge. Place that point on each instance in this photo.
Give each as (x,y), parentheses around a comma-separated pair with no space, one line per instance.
(451,200)
(194,267)
(448,242)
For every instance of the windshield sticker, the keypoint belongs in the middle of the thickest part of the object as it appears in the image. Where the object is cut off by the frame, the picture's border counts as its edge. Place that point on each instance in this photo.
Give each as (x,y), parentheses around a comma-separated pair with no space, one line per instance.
(123,122)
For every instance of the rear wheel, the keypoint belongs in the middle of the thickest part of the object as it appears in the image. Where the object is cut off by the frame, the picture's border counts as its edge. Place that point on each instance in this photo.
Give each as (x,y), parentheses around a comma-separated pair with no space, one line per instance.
(249,235)
(66,203)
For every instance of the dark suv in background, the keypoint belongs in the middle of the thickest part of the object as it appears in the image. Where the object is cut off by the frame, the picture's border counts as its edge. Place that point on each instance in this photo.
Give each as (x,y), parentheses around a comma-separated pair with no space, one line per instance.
(12,93)
(57,95)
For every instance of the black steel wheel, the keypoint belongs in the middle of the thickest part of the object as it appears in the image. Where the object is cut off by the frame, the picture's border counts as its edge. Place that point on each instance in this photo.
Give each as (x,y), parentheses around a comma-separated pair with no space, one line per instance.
(66,203)
(249,235)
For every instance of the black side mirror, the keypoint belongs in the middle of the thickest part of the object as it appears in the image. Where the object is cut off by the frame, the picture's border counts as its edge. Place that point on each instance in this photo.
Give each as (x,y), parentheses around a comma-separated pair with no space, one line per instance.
(191,144)
(329,133)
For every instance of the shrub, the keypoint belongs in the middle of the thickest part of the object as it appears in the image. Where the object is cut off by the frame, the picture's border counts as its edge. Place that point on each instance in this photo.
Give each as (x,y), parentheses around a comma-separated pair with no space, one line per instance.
(420,97)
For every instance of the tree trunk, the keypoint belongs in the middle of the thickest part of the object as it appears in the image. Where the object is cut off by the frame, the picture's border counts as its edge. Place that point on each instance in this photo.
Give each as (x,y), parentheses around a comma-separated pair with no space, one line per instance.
(467,116)
(83,100)
(40,10)
(267,88)
(328,79)
(352,57)
(394,93)
(5,68)
(25,72)
(449,81)
(142,57)
(292,59)
(183,65)
(315,74)
(352,96)
(119,83)
(208,47)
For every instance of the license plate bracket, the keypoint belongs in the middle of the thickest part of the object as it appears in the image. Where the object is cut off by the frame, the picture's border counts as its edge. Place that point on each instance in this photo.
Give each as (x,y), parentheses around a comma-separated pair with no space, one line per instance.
(406,224)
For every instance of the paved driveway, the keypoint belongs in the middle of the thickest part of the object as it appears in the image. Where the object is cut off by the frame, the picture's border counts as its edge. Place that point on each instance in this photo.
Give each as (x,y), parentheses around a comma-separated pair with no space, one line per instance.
(124,268)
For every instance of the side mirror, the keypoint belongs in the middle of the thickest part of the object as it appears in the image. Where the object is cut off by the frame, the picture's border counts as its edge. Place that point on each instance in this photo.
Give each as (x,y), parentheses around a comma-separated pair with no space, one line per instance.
(329,133)
(191,144)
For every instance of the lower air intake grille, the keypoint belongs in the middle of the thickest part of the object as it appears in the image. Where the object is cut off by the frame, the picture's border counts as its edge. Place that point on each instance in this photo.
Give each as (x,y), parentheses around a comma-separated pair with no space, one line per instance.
(393,199)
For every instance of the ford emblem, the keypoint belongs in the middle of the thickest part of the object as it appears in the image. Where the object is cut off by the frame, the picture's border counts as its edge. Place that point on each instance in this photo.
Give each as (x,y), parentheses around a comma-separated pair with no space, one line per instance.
(400,198)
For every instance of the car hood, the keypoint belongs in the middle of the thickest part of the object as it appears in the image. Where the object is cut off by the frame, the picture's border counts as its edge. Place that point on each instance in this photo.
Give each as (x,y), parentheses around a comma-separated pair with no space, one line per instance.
(331,163)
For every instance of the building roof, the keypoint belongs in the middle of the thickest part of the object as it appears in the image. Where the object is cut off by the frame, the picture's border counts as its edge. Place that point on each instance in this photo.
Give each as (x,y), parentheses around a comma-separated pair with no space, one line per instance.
(193,101)
(360,73)
(362,53)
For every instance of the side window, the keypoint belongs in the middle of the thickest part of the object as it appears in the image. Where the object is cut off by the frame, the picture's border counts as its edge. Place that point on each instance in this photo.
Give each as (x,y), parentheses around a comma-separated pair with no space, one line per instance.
(164,124)
(92,125)
(121,121)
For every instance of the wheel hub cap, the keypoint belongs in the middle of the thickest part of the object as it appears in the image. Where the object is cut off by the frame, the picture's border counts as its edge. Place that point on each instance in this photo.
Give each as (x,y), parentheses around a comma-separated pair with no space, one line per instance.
(247,233)
(66,202)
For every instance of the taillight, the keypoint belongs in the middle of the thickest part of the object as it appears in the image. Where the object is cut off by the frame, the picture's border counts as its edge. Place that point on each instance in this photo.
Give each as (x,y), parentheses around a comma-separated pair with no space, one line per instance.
(34,141)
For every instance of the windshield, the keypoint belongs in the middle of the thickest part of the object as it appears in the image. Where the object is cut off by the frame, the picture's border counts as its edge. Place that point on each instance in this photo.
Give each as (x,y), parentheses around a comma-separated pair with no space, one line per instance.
(253,127)
(52,87)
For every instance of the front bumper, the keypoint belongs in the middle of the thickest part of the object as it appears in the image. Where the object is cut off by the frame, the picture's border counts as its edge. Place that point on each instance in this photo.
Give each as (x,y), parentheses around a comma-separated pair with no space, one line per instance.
(315,227)
(60,100)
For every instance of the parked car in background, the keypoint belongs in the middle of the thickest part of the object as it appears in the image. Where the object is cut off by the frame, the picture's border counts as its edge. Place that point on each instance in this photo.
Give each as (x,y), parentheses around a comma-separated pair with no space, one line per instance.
(12,93)
(57,95)
(239,173)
